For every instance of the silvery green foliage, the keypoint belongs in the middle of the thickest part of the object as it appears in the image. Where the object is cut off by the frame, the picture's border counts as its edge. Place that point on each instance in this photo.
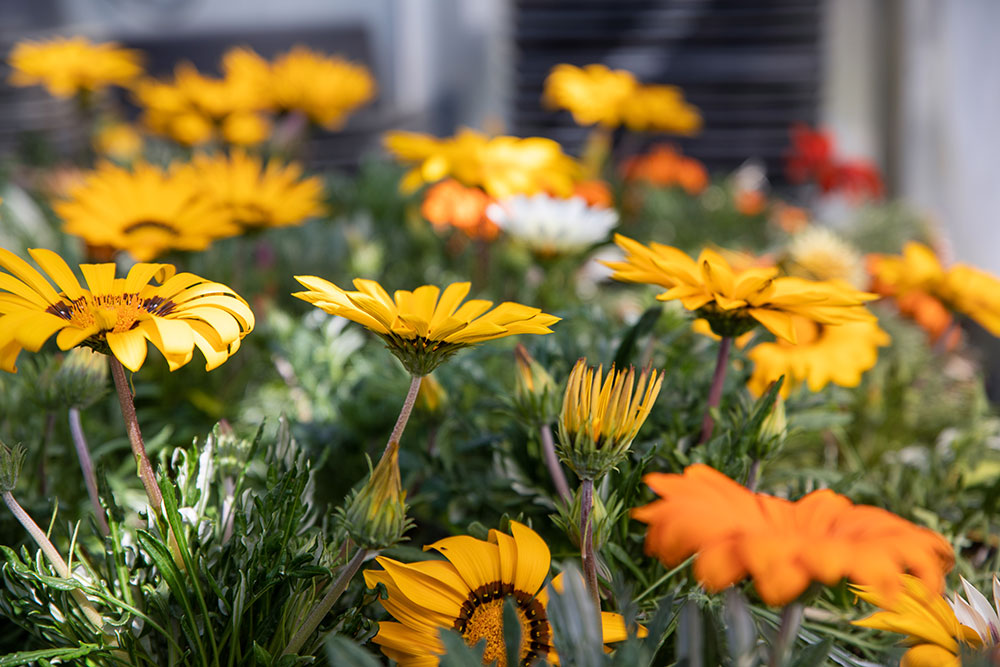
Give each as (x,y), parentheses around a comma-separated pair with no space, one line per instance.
(245,563)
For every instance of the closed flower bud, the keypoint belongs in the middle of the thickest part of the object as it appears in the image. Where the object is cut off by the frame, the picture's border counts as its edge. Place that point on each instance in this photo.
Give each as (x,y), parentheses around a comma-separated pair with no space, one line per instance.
(375,515)
(431,397)
(77,379)
(601,416)
(603,517)
(775,426)
(535,394)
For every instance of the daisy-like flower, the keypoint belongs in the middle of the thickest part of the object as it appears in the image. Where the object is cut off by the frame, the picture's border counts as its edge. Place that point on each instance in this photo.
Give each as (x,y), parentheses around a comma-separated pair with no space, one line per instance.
(467,593)
(502,166)
(426,326)
(602,415)
(595,94)
(734,302)
(145,211)
(324,88)
(936,629)
(817,253)
(822,353)
(663,166)
(550,225)
(655,108)
(67,66)
(259,195)
(117,315)
(118,141)
(451,204)
(783,545)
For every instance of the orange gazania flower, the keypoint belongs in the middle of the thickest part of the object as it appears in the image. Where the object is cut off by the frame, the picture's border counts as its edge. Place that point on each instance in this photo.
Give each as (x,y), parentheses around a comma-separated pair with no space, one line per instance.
(783,545)
(451,204)
(664,166)
(595,193)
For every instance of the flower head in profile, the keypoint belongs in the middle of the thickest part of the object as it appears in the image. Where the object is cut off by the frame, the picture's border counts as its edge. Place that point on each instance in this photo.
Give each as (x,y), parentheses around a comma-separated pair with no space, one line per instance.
(936,629)
(656,108)
(602,415)
(67,66)
(782,545)
(258,195)
(734,302)
(117,315)
(550,225)
(502,166)
(818,253)
(467,593)
(324,88)
(426,326)
(144,210)
(822,354)
(451,204)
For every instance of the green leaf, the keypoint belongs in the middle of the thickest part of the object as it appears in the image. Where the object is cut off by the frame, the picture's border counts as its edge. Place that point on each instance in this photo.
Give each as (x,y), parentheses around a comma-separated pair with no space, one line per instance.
(28,657)
(458,653)
(690,636)
(814,656)
(342,652)
(511,633)
(646,323)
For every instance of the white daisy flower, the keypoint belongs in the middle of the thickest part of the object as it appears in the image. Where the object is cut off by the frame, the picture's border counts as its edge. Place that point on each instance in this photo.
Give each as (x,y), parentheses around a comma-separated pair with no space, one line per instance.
(977,612)
(552,226)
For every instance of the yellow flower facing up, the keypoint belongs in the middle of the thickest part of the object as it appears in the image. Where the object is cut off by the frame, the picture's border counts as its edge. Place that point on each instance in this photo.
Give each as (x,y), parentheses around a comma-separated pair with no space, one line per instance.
(67,66)
(117,315)
(602,415)
(145,211)
(734,302)
(324,88)
(502,166)
(823,354)
(467,593)
(961,287)
(426,326)
(598,95)
(934,633)
(258,195)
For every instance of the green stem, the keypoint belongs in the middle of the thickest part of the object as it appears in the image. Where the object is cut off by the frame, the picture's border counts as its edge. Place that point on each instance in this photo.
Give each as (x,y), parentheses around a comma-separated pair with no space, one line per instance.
(715,391)
(753,477)
(791,620)
(404,413)
(552,462)
(87,468)
(54,557)
(587,539)
(320,611)
(135,435)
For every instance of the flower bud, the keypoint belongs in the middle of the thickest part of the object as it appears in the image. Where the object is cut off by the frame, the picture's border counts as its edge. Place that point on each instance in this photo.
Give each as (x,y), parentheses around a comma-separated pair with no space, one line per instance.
(10,466)
(601,417)
(535,392)
(431,397)
(77,379)
(602,517)
(375,515)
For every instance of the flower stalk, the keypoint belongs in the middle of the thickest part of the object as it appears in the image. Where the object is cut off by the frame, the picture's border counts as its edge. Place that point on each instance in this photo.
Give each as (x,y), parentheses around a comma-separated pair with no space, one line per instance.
(87,468)
(145,468)
(587,557)
(715,391)
(320,611)
(404,413)
(552,463)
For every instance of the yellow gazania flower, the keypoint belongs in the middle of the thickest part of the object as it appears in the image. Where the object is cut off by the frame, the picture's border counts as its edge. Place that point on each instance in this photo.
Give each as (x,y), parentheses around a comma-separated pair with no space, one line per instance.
(67,66)
(467,593)
(502,166)
(654,108)
(117,315)
(918,268)
(602,415)
(258,195)
(594,94)
(934,633)
(324,88)
(823,353)
(145,211)
(817,253)
(426,326)
(118,141)
(734,302)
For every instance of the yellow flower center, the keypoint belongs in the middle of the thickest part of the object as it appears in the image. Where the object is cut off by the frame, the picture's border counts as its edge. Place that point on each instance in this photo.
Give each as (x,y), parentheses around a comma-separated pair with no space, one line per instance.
(482,618)
(110,312)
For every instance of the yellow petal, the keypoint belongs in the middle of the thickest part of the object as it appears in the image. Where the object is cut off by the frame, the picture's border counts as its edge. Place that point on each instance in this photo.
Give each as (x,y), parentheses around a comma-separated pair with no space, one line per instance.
(129,348)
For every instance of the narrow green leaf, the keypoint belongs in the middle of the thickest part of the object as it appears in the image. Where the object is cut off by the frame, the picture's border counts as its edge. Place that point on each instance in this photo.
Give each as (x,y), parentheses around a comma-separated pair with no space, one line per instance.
(28,657)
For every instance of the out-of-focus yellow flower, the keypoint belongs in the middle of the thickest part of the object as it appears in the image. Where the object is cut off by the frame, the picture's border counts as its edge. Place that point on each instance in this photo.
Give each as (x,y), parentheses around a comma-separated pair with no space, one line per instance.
(602,415)
(817,253)
(431,397)
(324,88)
(119,141)
(822,353)
(934,633)
(426,326)
(598,95)
(502,166)
(70,65)
(146,211)
(594,94)
(258,195)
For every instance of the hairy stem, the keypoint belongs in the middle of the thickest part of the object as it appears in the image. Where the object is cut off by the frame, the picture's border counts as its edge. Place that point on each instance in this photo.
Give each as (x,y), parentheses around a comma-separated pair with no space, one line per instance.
(404,413)
(791,619)
(552,462)
(87,468)
(135,435)
(323,607)
(54,557)
(587,539)
(715,392)
(753,477)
